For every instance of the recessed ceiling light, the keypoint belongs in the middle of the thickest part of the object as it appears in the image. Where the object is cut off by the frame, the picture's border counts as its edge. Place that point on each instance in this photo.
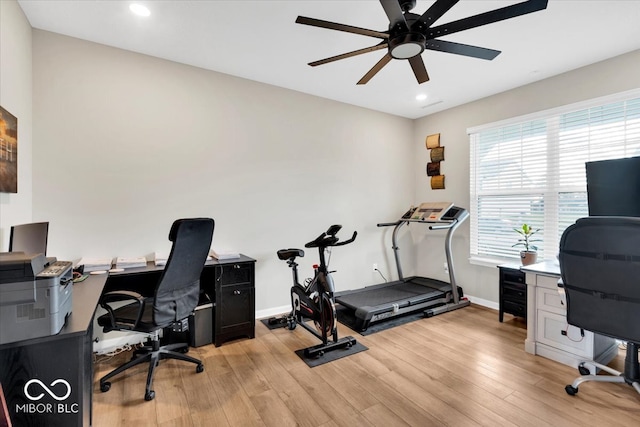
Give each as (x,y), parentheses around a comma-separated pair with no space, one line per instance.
(421,97)
(139,9)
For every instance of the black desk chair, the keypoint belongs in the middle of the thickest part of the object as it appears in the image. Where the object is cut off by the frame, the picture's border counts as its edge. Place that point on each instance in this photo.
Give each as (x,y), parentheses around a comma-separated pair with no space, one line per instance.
(175,297)
(600,266)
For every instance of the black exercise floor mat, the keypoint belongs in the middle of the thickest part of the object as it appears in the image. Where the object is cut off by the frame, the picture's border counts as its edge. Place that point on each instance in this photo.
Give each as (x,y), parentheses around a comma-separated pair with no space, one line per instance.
(347,318)
(276,325)
(280,323)
(330,356)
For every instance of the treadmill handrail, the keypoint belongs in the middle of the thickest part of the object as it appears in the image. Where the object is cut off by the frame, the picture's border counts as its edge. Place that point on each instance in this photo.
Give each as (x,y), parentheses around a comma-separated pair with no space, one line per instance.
(443,226)
(388,224)
(449,224)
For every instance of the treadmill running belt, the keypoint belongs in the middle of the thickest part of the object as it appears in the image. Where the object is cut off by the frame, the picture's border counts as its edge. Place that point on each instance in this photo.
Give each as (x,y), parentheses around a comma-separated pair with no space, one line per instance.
(393,293)
(411,290)
(380,302)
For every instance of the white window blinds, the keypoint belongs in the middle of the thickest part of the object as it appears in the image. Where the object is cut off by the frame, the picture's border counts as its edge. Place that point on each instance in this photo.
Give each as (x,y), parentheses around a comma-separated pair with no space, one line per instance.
(532,170)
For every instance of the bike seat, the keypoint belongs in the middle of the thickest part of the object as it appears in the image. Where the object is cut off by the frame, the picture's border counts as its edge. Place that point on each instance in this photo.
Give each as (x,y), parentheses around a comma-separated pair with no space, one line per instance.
(285,254)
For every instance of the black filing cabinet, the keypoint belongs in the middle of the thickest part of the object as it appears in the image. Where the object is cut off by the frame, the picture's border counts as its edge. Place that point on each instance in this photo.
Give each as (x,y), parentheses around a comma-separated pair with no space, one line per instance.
(234,299)
(513,291)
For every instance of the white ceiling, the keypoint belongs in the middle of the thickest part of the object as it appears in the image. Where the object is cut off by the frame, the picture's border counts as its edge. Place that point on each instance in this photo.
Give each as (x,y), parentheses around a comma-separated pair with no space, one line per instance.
(259,40)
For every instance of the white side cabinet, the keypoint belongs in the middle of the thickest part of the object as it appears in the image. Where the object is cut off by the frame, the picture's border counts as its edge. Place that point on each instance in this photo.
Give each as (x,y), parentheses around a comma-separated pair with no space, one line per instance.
(548,333)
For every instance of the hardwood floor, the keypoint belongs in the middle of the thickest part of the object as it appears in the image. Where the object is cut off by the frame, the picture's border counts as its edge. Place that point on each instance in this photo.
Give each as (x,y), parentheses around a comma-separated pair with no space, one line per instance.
(462,368)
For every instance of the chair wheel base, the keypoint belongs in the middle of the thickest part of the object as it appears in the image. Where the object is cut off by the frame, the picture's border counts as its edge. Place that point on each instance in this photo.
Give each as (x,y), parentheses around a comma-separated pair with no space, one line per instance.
(104,387)
(571,390)
(149,395)
(200,368)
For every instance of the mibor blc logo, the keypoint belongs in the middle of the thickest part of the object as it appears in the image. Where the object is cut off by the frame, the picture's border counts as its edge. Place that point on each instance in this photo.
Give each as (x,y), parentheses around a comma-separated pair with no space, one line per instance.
(35,390)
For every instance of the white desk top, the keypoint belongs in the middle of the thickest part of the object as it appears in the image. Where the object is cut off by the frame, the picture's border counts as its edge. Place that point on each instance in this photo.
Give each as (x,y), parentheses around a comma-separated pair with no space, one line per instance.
(548,268)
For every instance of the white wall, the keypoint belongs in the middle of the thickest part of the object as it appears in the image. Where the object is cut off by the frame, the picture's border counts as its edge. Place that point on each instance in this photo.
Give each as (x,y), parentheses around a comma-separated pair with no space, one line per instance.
(15,97)
(608,77)
(126,143)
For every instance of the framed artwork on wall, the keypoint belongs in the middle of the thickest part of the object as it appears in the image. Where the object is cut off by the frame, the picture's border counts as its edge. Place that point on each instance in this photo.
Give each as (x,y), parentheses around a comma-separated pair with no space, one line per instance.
(8,152)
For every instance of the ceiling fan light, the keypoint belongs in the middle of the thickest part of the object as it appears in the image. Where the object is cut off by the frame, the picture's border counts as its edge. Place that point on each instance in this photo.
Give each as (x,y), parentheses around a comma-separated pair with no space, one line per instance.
(407,45)
(139,9)
(406,51)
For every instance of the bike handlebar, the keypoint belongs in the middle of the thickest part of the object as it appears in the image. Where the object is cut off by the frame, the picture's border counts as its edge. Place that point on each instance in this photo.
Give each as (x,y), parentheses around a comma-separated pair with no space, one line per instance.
(346,242)
(324,240)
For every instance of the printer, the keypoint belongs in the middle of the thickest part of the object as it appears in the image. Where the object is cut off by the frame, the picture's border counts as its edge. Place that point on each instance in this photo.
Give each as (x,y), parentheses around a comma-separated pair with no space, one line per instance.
(34,300)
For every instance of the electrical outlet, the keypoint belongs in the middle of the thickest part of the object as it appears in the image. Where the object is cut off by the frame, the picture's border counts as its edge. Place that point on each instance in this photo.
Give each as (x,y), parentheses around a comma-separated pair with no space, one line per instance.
(375,267)
(446,267)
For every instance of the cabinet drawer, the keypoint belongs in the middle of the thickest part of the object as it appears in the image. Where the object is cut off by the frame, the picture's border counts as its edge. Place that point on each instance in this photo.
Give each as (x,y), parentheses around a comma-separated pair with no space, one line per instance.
(550,300)
(514,276)
(550,282)
(232,274)
(549,331)
(515,308)
(238,305)
(514,292)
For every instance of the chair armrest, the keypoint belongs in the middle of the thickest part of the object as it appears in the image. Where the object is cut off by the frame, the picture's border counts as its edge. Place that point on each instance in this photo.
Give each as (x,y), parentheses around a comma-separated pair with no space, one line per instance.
(119,296)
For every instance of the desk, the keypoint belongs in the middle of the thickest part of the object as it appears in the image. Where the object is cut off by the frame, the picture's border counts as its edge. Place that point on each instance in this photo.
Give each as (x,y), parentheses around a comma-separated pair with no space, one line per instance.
(68,355)
(230,284)
(548,333)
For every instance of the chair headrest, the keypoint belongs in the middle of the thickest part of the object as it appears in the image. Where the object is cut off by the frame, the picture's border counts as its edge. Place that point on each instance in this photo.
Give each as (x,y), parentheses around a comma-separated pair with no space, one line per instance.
(205,224)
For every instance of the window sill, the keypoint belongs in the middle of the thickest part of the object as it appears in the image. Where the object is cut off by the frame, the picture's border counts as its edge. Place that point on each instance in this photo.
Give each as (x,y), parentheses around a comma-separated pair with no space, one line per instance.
(491,262)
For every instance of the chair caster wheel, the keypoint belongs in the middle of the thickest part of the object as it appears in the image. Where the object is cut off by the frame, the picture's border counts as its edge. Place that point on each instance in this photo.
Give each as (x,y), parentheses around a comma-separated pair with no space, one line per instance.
(291,324)
(571,390)
(583,370)
(200,368)
(149,395)
(184,350)
(104,387)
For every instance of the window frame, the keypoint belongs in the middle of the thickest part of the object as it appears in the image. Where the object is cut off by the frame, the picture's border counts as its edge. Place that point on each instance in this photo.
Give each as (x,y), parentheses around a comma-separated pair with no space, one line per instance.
(550,191)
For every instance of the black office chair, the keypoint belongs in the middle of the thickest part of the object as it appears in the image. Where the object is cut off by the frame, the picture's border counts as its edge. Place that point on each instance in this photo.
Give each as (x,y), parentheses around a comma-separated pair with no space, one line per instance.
(175,297)
(600,266)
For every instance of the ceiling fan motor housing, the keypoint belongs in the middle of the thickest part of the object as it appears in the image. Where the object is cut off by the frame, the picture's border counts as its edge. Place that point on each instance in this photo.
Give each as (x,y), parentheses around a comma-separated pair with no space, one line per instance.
(407,5)
(406,43)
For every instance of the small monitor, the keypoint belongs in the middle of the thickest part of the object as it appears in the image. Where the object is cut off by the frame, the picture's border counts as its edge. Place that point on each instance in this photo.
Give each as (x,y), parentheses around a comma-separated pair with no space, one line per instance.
(29,238)
(613,187)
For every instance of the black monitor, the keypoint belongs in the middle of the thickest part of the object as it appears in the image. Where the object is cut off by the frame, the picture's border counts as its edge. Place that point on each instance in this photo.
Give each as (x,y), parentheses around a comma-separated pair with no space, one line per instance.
(29,238)
(613,187)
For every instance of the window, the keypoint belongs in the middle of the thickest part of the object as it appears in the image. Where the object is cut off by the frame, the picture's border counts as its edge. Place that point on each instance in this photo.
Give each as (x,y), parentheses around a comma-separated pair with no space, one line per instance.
(532,170)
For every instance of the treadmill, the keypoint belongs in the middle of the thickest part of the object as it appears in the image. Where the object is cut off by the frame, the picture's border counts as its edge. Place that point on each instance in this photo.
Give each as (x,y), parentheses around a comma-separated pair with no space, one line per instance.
(410,294)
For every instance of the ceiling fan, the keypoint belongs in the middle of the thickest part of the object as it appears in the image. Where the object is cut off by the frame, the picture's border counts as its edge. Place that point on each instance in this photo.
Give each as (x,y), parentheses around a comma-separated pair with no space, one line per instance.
(410,34)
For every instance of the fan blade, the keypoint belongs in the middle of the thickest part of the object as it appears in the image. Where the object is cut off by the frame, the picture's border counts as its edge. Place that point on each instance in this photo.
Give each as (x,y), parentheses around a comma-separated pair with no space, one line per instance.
(340,27)
(394,13)
(435,12)
(487,18)
(462,49)
(419,70)
(372,72)
(381,45)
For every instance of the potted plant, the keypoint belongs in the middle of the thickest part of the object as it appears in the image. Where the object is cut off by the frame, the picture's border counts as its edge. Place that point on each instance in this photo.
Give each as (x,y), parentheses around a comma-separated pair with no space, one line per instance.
(529,255)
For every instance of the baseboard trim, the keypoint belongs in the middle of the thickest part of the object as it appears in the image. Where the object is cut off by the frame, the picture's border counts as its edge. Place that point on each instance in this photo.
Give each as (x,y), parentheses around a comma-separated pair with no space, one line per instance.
(275,311)
(484,302)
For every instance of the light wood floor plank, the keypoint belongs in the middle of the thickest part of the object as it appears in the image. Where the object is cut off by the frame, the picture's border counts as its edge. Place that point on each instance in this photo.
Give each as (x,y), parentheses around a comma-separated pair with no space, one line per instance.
(462,368)
(264,353)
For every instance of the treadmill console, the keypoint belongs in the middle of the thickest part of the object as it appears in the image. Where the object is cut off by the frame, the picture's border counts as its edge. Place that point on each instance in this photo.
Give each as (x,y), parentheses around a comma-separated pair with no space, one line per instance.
(431,211)
(452,214)
(407,214)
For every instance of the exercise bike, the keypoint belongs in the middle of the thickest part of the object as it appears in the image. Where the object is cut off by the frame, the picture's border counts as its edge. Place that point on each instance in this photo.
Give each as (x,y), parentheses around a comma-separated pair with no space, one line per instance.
(313,301)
